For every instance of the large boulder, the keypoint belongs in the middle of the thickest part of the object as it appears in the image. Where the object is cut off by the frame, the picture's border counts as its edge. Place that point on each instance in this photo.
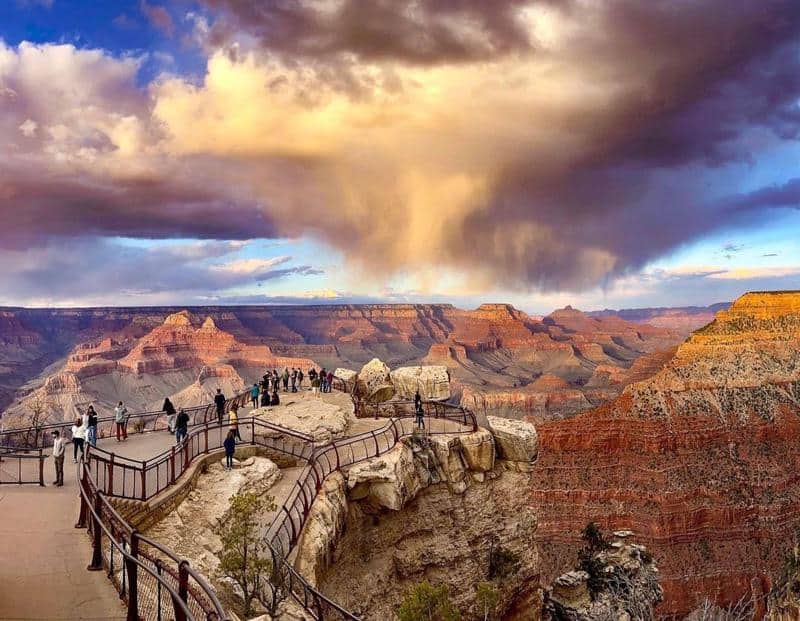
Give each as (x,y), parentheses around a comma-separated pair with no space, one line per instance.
(388,481)
(348,376)
(322,420)
(374,383)
(478,450)
(433,382)
(517,441)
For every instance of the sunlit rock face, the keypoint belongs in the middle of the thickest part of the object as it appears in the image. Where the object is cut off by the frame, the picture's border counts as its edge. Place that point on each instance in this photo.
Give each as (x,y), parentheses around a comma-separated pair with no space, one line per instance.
(432,382)
(432,508)
(699,460)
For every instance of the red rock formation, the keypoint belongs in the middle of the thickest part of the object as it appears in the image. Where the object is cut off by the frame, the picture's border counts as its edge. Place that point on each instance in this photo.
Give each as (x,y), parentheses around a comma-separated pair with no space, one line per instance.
(700,460)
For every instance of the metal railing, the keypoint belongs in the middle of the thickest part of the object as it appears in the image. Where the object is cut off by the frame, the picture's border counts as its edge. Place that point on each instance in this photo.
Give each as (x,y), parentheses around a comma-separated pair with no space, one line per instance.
(12,471)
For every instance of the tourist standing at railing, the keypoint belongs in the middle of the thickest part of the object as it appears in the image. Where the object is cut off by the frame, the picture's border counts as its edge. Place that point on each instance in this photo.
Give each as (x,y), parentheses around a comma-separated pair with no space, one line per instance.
(254,395)
(300,378)
(233,421)
(78,439)
(285,378)
(219,401)
(181,426)
(329,381)
(91,426)
(312,375)
(121,421)
(418,411)
(230,449)
(59,448)
(171,413)
(323,377)
(294,379)
(276,400)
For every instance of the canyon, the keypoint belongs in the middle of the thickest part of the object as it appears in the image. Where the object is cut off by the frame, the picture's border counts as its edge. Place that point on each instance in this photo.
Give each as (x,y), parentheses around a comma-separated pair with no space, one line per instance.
(700,460)
(500,360)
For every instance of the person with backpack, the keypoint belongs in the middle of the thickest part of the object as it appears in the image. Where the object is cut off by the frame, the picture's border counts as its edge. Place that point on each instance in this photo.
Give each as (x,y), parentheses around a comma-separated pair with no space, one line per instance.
(121,421)
(230,449)
(169,410)
(254,395)
(91,426)
(181,426)
(219,401)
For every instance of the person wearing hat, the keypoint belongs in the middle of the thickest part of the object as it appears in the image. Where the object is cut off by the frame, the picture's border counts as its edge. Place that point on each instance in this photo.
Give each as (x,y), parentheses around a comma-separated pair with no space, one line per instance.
(59,448)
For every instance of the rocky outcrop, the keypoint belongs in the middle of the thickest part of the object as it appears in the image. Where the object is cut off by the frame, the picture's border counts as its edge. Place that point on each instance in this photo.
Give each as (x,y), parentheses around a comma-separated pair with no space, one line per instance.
(619,583)
(322,420)
(517,442)
(374,382)
(389,481)
(433,382)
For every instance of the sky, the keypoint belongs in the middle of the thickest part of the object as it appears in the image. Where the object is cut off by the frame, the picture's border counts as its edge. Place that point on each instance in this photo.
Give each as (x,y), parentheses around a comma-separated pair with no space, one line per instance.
(598,153)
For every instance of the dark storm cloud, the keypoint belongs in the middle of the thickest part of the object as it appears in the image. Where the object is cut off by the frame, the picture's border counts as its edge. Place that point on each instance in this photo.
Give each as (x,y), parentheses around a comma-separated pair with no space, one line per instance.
(33,205)
(417,31)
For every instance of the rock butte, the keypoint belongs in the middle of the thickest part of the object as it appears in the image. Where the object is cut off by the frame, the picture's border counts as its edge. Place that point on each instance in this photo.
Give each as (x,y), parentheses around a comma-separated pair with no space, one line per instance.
(493,353)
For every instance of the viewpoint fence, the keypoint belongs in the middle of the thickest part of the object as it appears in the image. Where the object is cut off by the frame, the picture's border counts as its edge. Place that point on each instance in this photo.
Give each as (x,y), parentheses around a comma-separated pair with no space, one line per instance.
(154,582)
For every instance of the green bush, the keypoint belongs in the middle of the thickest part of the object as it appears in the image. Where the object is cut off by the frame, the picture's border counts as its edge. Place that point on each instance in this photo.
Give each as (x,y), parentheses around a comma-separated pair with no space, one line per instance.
(425,602)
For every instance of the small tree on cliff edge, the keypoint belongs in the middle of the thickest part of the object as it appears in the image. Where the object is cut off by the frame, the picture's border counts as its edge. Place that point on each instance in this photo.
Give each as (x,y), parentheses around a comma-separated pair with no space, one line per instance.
(425,602)
(245,556)
(595,543)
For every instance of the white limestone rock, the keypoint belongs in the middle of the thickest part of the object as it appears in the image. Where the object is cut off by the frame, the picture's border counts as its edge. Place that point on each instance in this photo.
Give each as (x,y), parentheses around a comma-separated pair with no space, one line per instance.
(432,381)
(374,382)
(516,440)
(388,481)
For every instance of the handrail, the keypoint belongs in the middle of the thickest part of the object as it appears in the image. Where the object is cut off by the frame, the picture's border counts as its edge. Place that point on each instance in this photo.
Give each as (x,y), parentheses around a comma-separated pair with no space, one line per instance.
(11,455)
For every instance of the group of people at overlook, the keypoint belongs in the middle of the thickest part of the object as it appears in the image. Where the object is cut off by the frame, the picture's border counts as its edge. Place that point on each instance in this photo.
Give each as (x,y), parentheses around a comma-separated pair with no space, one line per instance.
(262,394)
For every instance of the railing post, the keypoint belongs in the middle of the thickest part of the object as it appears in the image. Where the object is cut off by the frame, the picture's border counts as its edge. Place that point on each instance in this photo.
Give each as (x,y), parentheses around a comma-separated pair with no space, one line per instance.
(205,434)
(84,509)
(144,480)
(110,477)
(97,542)
(41,468)
(133,578)
(172,465)
(185,455)
(183,590)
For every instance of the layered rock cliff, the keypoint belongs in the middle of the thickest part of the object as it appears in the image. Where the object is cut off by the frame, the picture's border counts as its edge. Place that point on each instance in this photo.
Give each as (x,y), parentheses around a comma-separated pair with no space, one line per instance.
(700,460)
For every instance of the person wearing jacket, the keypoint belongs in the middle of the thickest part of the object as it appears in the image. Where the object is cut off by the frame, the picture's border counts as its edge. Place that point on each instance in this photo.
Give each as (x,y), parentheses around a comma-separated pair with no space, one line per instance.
(59,448)
(91,426)
(171,413)
(285,378)
(219,401)
(254,395)
(181,426)
(78,438)
(230,449)
(121,421)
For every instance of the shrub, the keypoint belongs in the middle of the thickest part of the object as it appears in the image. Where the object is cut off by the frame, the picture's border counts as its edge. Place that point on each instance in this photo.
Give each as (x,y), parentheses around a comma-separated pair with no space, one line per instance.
(487,597)
(245,556)
(425,602)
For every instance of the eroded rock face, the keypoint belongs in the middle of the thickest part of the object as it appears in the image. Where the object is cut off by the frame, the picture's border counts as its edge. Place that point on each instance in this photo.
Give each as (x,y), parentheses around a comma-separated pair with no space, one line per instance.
(388,481)
(700,460)
(517,441)
(190,530)
(433,382)
(374,382)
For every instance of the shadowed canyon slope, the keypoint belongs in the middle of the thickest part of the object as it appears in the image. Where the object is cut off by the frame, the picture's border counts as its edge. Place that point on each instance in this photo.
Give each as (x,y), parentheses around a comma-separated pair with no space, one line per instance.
(700,460)
(499,358)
